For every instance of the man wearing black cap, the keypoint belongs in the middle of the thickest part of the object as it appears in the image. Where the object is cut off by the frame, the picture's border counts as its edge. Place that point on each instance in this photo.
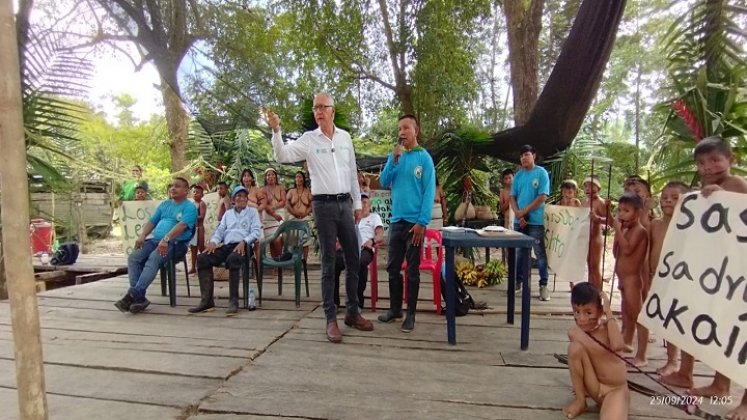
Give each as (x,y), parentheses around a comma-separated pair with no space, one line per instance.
(529,191)
(237,231)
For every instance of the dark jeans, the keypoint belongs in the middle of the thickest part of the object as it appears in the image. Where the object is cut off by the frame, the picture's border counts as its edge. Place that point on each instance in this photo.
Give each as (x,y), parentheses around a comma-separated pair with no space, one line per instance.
(401,249)
(366,257)
(206,262)
(335,220)
(538,233)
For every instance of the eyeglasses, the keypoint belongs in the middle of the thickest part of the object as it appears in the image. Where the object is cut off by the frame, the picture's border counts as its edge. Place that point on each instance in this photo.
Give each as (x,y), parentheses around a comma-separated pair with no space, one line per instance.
(321,108)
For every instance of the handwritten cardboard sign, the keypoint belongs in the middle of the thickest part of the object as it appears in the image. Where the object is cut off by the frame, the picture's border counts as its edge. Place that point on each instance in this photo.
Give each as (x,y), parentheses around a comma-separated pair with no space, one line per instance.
(381,204)
(698,299)
(134,214)
(567,240)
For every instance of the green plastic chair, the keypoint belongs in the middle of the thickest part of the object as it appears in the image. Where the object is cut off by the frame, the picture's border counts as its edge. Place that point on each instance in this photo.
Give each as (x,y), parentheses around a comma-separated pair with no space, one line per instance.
(295,234)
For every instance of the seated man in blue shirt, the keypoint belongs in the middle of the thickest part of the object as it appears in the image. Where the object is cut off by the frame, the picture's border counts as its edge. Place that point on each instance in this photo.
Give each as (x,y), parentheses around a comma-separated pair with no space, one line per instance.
(172,225)
(237,231)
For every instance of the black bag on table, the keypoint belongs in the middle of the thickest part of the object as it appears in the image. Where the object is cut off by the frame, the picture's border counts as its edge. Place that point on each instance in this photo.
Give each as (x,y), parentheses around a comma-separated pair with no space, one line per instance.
(66,254)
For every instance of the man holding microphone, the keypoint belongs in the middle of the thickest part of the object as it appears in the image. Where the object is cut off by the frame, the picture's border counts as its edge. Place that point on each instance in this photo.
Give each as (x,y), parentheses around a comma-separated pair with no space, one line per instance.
(410,174)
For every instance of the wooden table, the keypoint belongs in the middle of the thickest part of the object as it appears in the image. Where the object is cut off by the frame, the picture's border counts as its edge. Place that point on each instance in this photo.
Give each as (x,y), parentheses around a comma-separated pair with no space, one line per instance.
(509,239)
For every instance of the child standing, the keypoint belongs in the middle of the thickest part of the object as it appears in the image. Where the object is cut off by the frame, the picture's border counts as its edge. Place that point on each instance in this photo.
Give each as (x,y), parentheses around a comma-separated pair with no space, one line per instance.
(598,210)
(657,231)
(569,193)
(198,240)
(596,372)
(507,177)
(713,160)
(630,248)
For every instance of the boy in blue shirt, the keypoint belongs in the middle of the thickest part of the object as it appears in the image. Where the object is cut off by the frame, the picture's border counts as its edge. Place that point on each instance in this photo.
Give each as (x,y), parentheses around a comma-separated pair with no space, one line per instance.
(529,192)
(172,225)
(410,174)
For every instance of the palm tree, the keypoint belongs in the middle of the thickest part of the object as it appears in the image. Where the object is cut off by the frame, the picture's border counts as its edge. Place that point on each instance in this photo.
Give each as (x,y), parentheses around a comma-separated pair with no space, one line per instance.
(707,68)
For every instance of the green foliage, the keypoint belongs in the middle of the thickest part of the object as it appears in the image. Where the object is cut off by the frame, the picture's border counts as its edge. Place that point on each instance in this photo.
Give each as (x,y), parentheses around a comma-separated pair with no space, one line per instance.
(706,66)
(458,161)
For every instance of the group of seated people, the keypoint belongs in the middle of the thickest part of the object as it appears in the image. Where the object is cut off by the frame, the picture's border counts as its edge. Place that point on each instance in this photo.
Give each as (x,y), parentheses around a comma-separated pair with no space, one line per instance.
(177,224)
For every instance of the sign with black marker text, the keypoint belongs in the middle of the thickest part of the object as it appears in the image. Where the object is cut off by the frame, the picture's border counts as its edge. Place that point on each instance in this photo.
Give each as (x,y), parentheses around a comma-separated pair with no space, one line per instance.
(698,299)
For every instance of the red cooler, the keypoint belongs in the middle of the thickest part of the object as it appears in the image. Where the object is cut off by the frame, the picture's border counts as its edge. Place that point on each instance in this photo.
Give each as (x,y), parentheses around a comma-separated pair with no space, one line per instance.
(41,234)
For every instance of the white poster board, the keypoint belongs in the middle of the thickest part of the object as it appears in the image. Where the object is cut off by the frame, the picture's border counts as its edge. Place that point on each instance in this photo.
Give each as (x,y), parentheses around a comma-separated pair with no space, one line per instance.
(567,240)
(698,299)
(381,204)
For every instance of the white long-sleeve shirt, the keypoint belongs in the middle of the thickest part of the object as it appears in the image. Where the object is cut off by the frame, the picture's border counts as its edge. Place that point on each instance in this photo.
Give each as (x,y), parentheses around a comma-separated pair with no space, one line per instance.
(331,162)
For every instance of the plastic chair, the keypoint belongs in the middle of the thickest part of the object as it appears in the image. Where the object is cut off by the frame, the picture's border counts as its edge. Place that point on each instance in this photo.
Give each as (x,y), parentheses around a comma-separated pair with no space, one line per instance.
(295,232)
(168,272)
(431,259)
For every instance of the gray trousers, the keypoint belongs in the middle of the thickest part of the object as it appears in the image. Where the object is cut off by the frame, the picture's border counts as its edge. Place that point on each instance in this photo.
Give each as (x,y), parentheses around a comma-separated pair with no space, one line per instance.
(335,220)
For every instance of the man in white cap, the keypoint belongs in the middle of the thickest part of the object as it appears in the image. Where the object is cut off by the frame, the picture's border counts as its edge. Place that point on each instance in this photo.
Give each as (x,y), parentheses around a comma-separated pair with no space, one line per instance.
(237,231)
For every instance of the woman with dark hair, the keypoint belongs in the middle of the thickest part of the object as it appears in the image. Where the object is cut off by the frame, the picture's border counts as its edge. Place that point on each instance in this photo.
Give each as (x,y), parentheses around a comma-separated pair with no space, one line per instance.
(274,210)
(256,195)
(299,205)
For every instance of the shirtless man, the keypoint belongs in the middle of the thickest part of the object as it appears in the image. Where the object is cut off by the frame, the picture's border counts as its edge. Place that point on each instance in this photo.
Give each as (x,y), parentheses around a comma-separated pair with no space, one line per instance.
(630,248)
(595,371)
(670,194)
(598,211)
(298,204)
(713,159)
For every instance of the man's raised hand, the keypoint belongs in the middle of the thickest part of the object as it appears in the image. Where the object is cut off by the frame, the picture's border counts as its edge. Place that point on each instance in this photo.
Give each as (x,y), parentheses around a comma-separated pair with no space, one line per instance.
(272,119)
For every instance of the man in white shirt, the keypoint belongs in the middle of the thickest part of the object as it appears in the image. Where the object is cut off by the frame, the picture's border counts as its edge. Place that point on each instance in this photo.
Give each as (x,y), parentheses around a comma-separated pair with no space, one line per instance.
(237,231)
(371,232)
(329,154)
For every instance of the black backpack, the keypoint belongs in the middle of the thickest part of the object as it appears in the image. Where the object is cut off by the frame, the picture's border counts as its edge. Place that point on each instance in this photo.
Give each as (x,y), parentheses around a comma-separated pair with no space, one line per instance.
(463,299)
(66,254)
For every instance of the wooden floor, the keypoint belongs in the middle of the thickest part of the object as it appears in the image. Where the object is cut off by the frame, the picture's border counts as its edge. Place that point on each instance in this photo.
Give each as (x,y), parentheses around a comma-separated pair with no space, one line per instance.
(276,362)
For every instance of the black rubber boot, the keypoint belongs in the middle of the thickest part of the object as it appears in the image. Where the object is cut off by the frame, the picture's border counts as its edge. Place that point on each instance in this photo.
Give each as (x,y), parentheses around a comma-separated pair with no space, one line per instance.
(233,296)
(207,303)
(395,301)
(409,324)
(413,288)
(391,315)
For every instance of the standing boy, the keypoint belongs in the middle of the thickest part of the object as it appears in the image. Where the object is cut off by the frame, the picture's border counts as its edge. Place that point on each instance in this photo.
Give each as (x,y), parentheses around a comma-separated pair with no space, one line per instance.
(507,176)
(198,240)
(598,211)
(596,372)
(409,172)
(529,192)
(630,248)
(670,194)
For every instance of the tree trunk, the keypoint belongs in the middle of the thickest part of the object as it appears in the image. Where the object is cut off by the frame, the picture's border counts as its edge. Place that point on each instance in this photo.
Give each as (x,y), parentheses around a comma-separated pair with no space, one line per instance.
(177,122)
(24,312)
(524,21)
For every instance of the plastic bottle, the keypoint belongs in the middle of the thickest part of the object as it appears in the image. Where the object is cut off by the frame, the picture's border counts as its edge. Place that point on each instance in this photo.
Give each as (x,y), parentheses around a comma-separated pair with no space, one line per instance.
(251,300)
(44,258)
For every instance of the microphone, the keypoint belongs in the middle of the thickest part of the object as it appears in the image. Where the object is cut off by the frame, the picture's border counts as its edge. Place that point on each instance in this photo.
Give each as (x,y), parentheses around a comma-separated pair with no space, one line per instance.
(400,141)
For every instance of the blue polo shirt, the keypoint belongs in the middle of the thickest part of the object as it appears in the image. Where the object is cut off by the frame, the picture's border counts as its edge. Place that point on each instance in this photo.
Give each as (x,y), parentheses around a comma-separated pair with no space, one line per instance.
(528,185)
(168,214)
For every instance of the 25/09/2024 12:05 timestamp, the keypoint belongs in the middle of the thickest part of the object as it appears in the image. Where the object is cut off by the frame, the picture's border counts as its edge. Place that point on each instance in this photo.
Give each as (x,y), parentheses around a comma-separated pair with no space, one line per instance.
(689,400)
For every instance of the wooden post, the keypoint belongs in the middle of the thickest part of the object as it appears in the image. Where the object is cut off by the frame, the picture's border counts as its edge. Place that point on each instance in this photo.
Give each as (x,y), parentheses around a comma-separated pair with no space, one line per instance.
(24,313)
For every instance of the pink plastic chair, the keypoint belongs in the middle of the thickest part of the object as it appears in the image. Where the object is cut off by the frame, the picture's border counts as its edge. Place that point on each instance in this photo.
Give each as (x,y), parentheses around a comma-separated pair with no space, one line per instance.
(431,259)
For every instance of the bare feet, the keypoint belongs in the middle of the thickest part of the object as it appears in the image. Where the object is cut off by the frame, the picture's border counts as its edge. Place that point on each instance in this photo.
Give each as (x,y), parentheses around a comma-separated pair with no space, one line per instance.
(709,391)
(637,362)
(628,348)
(668,369)
(575,408)
(192,271)
(678,379)
(739,413)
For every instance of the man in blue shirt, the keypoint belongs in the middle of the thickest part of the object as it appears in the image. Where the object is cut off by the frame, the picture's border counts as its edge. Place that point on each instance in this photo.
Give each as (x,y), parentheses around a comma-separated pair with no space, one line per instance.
(173,225)
(237,231)
(529,191)
(410,174)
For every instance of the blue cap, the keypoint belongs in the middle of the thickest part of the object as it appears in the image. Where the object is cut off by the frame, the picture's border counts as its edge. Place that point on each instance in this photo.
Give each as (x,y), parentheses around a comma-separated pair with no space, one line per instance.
(237,190)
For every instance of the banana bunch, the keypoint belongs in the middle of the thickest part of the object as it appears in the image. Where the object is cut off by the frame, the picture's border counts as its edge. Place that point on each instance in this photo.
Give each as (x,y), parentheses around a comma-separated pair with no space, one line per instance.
(471,275)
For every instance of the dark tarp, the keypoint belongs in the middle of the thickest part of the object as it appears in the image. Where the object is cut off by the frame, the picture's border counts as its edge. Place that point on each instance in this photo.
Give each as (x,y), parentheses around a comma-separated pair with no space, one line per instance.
(565,100)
